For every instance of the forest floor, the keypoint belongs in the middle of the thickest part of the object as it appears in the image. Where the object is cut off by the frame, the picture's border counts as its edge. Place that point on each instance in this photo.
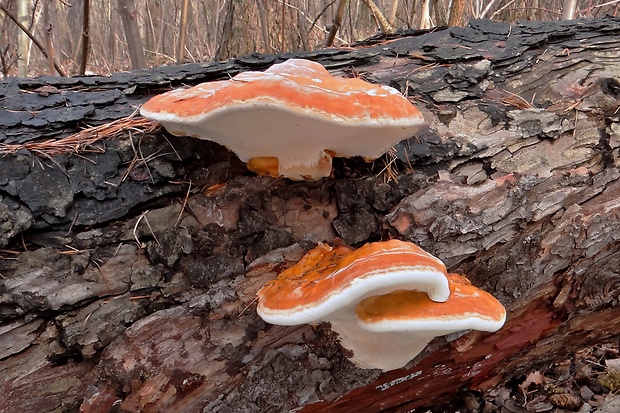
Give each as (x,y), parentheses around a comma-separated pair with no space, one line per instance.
(588,381)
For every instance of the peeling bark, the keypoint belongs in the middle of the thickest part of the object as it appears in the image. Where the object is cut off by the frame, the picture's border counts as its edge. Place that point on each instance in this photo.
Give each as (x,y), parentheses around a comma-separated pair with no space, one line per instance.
(125,288)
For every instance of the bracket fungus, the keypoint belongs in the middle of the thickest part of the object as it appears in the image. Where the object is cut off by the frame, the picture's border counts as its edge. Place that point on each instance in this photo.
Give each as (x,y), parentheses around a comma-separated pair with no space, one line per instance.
(291,119)
(386,300)
(404,322)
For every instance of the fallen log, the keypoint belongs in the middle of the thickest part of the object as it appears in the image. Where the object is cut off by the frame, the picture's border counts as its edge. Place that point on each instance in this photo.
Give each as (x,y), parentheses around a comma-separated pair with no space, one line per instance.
(130,263)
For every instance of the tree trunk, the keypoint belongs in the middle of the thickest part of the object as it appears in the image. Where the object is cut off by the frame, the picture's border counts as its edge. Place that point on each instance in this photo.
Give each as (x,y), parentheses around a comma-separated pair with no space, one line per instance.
(379,17)
(333,30)
(182,31)
(23,42)
(264,27)
(569,7)
(85,37)
(425,15)
(130,269)
(457,13)
(135,49)
(227,31)
(391,15)
(49,34)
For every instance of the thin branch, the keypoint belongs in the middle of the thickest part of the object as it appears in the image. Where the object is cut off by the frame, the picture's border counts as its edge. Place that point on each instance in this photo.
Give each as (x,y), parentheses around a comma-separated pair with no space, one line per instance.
(34,40)
(385,26)
(336,23)
(318,16)
(85,37)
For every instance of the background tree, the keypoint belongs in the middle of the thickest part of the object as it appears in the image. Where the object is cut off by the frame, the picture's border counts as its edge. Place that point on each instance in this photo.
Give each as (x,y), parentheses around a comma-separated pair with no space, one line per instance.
(23,50)
(457,12)
(333,29)
(85,37)
(49,10)
(129,17)
(283,25)
(182,31)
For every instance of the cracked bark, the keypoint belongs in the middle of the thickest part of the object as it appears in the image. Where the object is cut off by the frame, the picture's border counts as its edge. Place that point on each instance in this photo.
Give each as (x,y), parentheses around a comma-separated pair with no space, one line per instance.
(117,295)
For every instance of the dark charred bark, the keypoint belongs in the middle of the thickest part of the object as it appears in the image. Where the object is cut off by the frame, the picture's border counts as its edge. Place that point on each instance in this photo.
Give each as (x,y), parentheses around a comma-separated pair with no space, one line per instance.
(129,272)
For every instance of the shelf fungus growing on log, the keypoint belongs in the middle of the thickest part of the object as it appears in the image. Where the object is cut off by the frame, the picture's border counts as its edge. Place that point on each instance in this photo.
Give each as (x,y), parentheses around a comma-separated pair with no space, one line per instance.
(291,119)
(386,300)
(403,322)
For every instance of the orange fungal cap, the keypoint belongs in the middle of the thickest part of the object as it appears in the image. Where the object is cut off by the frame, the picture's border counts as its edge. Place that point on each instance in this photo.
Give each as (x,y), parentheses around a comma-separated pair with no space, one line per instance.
(386,300)
(467,308)
(329,279)
(391,329)
(294,111)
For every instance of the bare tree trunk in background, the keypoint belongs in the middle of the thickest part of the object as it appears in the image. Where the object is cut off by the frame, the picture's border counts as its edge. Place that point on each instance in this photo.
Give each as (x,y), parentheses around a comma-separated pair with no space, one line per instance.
(568,9)
(303,29)
(166,24)
(85,37)
(531,13)
(425,15)
(127,10)
(282,24)
(22,39)
(182,31)
(152,34)
(381,20)
(25,30)
(262,14)
(227,33)
(73,39)
(49,8)
(439,11)
(336,24)
(457,12)
(111,36)
(391,17)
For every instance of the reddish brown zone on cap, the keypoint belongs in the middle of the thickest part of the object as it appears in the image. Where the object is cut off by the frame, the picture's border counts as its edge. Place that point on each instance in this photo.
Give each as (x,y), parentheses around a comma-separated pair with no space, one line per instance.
(313,278)
(465,300)
(338,97)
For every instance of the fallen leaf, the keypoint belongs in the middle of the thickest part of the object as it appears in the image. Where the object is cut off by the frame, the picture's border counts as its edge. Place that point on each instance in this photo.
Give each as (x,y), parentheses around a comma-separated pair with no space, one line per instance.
(534,377)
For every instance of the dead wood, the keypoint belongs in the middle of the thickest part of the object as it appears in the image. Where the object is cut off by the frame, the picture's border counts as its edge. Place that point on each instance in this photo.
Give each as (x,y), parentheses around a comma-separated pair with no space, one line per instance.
(128,274)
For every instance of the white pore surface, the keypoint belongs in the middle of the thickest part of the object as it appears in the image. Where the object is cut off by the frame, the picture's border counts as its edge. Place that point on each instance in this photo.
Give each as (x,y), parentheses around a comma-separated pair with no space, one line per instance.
(385,351)
(294,136)
(391,345)
(432,282)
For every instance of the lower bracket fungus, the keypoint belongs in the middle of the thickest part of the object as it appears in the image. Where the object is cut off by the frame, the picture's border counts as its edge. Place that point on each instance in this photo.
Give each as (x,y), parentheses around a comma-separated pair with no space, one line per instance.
(291,119)
(386,300)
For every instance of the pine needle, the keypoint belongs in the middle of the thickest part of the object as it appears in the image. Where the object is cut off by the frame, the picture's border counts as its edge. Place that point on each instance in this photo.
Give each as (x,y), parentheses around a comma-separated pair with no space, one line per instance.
(82,141)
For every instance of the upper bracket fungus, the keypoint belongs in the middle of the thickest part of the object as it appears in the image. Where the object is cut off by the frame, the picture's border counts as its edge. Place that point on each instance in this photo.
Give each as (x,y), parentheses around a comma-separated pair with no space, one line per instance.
(386,300)
(291,119)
